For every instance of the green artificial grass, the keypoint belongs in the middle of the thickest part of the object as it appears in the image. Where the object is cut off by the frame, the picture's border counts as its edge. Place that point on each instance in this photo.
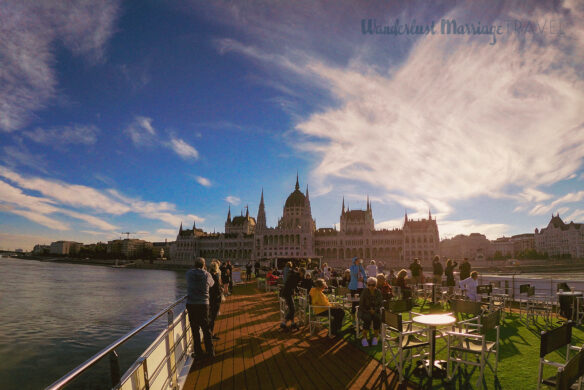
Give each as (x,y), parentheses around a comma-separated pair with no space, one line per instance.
(518,356)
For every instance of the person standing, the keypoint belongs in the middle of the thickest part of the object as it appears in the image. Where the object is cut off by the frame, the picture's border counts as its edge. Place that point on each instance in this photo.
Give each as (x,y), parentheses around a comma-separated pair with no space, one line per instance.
(372,269)
(224,278)
(198,283)
(416,269)
(358,276)
(256,268)
(287,269)
(464,269)
(215,294)
(290,285)
(449,272)
(229,269)
(437,271)
(248,267)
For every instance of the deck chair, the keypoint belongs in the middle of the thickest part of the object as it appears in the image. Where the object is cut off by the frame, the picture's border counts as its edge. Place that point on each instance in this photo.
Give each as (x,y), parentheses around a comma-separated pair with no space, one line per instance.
(400,345)
(465,312)
(554,340)
(478,343)
(524,289)
(316,321)
(302,307)
(571,372)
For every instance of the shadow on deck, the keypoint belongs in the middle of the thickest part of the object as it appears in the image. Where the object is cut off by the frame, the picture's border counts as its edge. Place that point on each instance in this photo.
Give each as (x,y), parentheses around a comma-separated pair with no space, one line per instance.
(254,353)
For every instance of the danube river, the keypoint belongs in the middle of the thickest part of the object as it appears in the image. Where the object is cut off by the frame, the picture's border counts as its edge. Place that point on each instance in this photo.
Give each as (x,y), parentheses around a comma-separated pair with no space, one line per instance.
(54,316)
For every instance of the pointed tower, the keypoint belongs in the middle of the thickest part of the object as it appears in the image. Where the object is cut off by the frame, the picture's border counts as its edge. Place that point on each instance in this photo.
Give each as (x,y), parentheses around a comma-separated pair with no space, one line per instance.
(229,214)
(297,187)
(429,214)
(194,225)
(246,211)
(343,209)
(406,217)
(307,208)
(180,229)
(261,219)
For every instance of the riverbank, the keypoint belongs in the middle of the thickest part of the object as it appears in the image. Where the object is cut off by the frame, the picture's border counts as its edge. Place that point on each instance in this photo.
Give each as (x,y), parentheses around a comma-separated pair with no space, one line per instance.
(114,263)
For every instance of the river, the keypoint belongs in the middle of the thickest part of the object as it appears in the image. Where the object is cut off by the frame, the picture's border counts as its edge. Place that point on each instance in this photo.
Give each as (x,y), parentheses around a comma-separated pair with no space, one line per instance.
(54,316)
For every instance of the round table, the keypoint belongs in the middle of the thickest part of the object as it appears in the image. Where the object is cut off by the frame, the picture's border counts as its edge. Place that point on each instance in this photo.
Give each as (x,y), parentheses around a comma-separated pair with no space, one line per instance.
(433,321)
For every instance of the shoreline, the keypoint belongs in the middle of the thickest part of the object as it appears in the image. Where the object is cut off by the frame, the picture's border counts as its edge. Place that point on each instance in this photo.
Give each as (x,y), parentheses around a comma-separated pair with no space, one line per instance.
(534,266)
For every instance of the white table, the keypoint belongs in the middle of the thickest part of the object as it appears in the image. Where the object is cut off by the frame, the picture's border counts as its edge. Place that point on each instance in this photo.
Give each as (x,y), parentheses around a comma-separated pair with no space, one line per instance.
(433,321)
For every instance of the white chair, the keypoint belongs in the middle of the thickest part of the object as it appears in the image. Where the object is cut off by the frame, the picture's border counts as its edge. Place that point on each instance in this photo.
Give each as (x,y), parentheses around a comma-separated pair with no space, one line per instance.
(475,343)
(400,346)
(316,321)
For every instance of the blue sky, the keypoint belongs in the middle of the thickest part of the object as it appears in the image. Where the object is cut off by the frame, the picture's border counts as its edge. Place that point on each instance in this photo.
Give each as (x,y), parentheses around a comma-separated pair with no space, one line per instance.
(134,116)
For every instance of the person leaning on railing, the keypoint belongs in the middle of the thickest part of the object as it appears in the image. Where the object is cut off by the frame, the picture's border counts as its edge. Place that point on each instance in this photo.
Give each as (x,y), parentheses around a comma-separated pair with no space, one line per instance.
(319,299)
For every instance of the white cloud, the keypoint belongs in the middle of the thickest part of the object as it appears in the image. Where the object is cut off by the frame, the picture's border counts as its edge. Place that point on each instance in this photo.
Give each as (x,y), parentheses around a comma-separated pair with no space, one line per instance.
(203,181)
(542,209)
(183,149)
(65,135)
(29,34)
(457,119)
(167,232)
(576,216)
(58,197)
(141,131)
(466,226)
(234,200)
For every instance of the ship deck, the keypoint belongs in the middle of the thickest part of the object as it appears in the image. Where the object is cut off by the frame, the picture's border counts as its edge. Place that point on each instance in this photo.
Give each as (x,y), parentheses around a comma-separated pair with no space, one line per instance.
(254,353)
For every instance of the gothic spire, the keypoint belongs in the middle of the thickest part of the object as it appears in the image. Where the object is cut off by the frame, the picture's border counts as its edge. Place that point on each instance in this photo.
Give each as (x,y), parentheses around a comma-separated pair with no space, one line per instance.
(307,192)
(429,214)
(297,185)
(261,218)
(368,207)
(246,211)
(229,215)
(180,229)
(194,225)
(343,210)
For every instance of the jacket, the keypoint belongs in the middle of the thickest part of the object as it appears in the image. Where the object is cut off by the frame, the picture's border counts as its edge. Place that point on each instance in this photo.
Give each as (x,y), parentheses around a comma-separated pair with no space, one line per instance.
(355,269)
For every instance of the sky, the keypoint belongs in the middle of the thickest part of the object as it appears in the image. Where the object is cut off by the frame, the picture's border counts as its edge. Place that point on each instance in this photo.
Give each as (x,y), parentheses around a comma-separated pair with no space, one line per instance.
(137,116)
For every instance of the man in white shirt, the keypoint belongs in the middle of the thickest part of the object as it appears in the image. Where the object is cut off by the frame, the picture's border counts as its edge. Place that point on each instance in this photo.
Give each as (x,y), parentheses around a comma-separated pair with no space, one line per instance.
(469,285)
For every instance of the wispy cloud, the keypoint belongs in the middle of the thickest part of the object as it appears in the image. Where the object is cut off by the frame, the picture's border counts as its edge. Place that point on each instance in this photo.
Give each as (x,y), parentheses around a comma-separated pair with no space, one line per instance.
(143,134)
(542,209)
(203,181)
(432,120)
(183,149)
(64,135)
(77,201)
(141,131)
(27,55)
(234,200)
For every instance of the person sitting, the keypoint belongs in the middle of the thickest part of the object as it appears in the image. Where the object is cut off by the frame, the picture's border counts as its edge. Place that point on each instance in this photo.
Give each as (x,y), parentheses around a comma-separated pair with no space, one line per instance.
(346,278)
(401,282)
(306,283)
(319,299)
(384,287)
(469,285)
(272,278)
(370,311)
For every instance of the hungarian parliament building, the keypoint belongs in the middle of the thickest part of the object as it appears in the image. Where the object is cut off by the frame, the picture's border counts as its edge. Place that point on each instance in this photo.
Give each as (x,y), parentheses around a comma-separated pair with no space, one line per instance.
(296,237)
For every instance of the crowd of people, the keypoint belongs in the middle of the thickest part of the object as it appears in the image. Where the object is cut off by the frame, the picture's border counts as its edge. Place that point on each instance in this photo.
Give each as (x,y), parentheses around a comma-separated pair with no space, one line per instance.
(206,290)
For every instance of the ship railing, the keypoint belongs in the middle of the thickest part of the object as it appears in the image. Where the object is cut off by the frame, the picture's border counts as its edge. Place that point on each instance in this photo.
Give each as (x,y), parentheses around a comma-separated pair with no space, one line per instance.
(159,367)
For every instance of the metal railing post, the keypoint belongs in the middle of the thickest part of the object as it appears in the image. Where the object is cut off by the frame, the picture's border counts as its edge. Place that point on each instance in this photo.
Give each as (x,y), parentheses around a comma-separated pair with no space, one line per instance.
(114,368)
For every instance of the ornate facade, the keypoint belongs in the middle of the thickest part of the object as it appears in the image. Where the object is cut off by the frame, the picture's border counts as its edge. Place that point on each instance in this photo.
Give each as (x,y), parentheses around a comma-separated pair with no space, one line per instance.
(560,239)
(296,236)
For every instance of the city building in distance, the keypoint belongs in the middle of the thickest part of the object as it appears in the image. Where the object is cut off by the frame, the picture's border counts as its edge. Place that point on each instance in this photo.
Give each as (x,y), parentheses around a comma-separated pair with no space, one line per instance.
(297,237)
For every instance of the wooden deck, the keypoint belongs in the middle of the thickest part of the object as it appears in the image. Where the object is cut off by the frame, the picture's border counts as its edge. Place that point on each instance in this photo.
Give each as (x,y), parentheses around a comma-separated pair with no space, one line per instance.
(254,353)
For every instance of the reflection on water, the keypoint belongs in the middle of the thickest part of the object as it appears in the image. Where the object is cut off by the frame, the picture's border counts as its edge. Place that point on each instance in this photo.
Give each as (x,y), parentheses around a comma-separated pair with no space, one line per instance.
(55,316)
